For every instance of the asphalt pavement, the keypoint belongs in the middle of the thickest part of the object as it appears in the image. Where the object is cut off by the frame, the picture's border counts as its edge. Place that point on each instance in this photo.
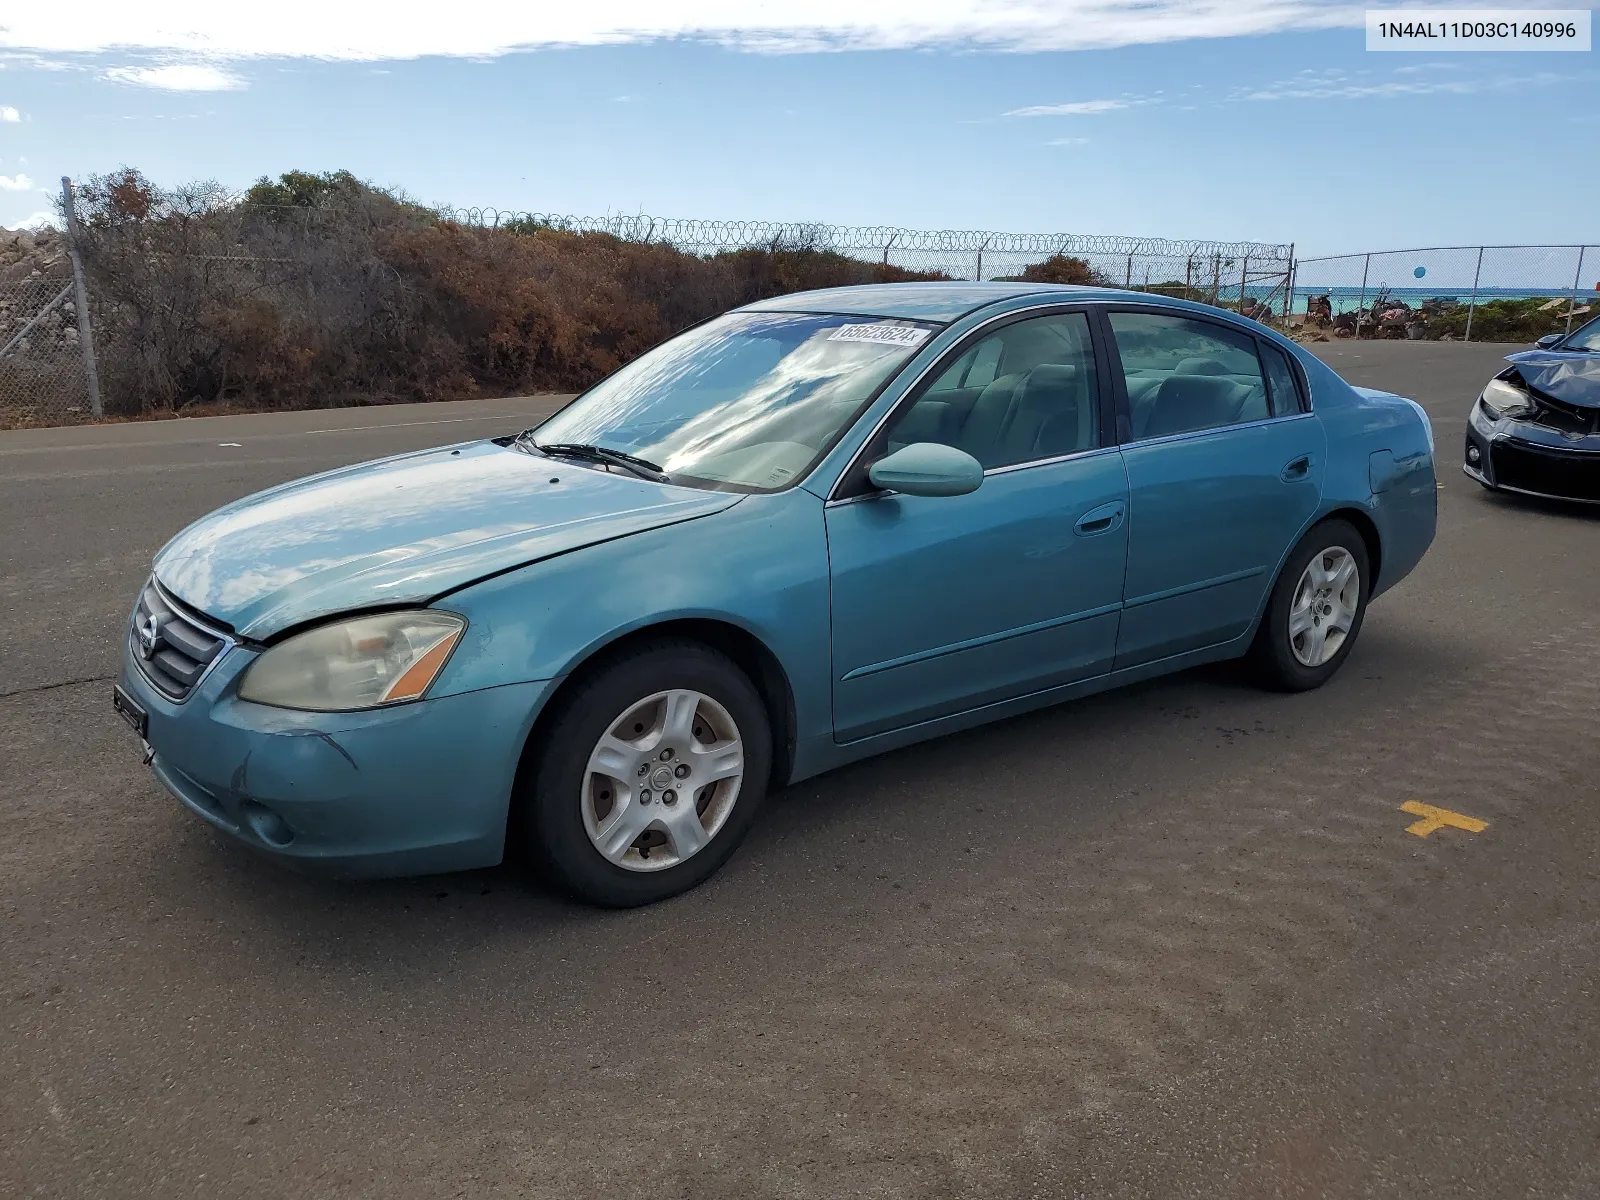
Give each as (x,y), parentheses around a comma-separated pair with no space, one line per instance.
(1170,941)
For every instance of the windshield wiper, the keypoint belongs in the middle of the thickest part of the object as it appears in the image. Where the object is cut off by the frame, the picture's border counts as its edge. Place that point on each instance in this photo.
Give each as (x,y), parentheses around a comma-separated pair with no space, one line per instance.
(643,468)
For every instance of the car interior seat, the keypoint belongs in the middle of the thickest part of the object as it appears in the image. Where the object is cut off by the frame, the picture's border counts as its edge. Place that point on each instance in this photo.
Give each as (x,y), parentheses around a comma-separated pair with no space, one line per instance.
(1038,415)
(1185,402)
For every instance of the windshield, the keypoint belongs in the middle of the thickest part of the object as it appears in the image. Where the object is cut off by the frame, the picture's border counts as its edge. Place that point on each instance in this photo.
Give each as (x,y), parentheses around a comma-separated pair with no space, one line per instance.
(747,402)
(1586,338)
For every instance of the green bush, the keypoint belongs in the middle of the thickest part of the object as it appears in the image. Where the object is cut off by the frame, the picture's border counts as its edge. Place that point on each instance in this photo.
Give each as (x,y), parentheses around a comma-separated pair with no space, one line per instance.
(1501,321)
(1060,268)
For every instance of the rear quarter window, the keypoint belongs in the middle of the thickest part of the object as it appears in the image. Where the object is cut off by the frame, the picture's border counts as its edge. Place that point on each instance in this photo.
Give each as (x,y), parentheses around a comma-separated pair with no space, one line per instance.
(1283,386)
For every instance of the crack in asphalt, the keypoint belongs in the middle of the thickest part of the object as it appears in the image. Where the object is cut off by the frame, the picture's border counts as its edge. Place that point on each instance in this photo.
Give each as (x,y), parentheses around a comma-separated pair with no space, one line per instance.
(50,687)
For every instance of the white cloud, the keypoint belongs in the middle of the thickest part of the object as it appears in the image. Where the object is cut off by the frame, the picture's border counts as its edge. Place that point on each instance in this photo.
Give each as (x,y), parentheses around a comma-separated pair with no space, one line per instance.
(366,30)
(15,183)
(1067,142)
(178,77)
(44,219)
(1337,89)
(1077,108)
(9,115)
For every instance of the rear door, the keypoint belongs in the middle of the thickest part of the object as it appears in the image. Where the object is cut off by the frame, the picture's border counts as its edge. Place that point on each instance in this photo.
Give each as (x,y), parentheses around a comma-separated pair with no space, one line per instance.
(1225,467)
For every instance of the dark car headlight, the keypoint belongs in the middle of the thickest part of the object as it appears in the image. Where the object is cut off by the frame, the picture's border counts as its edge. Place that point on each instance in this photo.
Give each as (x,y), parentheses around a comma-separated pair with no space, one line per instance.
(1501,397)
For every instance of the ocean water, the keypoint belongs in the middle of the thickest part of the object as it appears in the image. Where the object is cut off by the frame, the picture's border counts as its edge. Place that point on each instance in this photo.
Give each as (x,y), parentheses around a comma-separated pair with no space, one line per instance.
(1349,299)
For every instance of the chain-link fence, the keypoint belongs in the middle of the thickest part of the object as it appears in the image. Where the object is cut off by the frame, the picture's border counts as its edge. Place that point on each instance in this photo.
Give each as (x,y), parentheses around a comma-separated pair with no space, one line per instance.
(204,301)
(1214,272)
(42,379)
(47,374)
(1457,293)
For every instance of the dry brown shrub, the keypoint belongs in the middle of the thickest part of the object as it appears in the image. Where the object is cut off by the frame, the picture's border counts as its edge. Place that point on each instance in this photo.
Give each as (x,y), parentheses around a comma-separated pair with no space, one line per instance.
(367,298)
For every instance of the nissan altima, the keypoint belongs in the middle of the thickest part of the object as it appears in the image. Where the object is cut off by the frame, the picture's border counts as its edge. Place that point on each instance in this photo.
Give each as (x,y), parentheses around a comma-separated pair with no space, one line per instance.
(804,532)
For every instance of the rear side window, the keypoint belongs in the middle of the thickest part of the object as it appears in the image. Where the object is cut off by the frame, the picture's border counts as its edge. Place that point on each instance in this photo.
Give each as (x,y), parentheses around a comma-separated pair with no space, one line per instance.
(1185,375)
(1281,386)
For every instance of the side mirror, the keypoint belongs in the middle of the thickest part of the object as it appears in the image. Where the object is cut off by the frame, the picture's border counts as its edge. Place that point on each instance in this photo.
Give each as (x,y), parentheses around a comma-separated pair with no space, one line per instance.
(927,469)
(1548,340)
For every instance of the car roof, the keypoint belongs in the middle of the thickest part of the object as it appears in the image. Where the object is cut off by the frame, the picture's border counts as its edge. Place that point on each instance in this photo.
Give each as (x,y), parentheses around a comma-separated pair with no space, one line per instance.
(926,301)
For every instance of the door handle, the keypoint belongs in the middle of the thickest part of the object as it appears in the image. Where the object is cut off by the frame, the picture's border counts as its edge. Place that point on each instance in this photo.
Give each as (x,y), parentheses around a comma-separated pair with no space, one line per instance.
(1297,470)
(1099,520)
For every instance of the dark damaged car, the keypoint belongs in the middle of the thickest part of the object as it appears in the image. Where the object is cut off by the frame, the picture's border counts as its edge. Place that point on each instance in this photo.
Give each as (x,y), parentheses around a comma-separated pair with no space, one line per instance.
(1535,429)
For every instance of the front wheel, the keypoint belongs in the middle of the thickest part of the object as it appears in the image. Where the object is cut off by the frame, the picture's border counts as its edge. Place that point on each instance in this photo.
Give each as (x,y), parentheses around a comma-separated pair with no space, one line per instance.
(649,775)
(1315,611)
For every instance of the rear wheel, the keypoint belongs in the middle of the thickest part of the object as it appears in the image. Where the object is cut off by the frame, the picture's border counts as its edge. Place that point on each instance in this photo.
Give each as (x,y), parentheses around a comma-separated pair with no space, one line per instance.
(1315,611)
(649,775)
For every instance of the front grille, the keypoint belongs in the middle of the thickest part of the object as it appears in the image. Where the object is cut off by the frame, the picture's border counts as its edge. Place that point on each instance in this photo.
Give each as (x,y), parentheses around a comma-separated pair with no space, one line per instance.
(181,649)
(1542,469)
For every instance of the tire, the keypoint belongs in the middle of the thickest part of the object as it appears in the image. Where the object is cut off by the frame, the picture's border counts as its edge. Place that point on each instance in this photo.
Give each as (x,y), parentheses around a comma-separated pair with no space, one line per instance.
(570,806)
(1279,654)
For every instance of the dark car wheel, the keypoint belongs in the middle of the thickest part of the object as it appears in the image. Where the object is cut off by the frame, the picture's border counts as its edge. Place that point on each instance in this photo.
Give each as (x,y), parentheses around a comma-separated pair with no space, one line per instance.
(1315,611)
(648,776)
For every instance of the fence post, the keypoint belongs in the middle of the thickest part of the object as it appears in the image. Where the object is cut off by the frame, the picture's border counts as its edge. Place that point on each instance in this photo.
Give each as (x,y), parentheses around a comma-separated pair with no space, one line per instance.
(893,237)
(980,259)
(1288,288)
(1577,278)
(81,299)
(1362,303)
(1127,278)
(1244,282)
(1472,304)
(1188,275)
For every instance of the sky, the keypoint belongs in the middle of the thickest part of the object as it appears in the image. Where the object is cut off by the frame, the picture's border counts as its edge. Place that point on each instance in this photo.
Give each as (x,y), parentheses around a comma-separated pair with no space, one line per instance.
(1267,121)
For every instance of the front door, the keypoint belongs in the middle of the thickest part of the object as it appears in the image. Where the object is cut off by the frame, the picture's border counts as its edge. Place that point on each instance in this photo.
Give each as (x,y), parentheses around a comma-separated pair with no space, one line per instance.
(1224,469)
(943,604)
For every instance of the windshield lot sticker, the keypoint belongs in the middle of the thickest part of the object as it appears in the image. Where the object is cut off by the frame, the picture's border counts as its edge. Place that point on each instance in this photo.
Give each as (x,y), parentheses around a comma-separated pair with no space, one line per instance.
(886,335)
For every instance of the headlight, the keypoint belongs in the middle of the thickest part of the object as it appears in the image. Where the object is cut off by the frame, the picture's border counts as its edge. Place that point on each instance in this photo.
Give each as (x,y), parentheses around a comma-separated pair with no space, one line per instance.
(361,663)
(1500,397)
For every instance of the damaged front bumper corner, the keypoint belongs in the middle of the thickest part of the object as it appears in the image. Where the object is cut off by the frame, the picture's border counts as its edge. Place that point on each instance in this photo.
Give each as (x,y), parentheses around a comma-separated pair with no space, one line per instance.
(1533,457)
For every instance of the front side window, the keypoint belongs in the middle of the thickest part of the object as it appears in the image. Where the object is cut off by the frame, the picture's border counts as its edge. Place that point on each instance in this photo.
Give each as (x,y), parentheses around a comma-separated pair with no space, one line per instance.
(1586,338)
(1184,375)
(1024,393)
(747,402)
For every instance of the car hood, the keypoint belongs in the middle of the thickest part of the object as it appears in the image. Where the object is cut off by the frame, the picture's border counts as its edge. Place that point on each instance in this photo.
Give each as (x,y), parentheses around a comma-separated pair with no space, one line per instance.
(1564,374)
(403,530)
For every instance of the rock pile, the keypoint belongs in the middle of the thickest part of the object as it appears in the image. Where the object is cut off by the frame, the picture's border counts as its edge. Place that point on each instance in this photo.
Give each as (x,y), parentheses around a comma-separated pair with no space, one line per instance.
(33,269)
(31,254)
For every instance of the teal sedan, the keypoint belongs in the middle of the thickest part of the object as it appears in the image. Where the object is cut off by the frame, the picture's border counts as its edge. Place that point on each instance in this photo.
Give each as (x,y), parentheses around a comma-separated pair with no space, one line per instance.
(804,532)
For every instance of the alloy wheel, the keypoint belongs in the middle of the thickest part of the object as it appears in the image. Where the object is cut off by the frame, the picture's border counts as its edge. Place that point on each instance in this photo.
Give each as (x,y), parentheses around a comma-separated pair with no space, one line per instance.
(1324,607)
(662,780)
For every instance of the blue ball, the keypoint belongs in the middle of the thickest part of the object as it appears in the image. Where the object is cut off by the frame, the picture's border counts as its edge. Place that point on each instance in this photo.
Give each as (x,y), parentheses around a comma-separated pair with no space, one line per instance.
(1420,272)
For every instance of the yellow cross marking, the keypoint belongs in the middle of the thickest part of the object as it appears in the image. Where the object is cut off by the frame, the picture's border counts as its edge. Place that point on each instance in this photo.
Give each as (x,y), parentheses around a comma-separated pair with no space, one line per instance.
(1437,818)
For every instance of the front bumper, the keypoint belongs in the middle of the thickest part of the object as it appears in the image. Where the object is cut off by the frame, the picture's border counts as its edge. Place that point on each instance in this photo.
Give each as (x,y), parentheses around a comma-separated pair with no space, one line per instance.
(409,790)
(1513,458)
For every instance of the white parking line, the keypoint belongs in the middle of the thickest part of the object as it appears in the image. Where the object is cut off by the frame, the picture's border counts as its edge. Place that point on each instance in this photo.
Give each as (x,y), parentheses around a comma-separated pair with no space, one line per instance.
(403,424)
(265,435)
